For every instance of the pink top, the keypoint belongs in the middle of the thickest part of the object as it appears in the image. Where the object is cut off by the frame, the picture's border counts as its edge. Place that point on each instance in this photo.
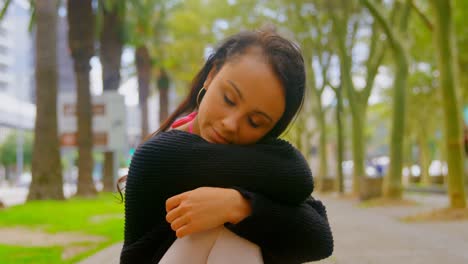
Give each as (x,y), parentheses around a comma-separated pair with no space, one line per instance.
(185,120)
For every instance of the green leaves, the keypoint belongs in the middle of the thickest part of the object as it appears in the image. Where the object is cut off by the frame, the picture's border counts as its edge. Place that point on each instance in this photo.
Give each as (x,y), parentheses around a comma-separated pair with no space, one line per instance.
(8,149)
(4,9)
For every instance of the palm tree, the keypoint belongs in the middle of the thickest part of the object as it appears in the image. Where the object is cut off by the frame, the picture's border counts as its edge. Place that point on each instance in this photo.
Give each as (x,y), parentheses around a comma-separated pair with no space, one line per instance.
(81,41)
(47,182)
(110,53)
(143,19)
(162,77)
(143,63)
(163,88)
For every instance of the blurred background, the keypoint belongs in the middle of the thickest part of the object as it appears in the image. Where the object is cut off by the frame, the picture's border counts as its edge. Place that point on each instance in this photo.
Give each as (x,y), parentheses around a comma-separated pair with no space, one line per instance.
(383,126)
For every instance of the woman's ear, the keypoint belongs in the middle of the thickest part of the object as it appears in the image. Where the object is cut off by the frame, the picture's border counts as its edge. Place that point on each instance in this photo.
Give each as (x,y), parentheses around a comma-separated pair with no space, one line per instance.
(209,78)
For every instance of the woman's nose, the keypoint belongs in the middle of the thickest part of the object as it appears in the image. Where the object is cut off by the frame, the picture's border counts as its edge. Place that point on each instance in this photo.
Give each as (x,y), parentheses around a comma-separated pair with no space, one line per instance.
(230,123)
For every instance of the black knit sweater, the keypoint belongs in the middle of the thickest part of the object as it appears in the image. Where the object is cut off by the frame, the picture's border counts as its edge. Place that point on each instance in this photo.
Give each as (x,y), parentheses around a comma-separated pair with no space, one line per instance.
(286,222)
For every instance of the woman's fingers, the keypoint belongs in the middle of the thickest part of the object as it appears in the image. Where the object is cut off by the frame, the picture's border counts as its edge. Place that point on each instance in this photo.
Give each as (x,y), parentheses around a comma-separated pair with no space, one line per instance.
(179,222)
(174,201)
(183,231)
(173,214)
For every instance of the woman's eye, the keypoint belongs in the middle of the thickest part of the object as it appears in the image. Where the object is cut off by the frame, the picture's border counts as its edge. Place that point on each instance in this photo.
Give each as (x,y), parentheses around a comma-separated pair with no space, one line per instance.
(252,123)
(228,101)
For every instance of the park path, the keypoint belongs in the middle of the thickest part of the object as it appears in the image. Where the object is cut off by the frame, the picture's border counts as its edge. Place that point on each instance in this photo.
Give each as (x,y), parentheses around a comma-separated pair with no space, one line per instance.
(109,255)
(376,236)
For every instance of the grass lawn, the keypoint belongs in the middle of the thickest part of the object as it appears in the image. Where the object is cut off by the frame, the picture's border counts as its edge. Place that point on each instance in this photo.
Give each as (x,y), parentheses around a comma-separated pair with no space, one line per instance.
(102,216)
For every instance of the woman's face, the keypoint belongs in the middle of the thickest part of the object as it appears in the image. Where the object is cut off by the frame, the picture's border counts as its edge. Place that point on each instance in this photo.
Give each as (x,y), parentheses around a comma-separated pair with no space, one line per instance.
(243,102)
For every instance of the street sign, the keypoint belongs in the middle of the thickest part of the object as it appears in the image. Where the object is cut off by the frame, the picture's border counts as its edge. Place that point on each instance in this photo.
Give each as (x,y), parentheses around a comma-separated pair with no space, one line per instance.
(108,121)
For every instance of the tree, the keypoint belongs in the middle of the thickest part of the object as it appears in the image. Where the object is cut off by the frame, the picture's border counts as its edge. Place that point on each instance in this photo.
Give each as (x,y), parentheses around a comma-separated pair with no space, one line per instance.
(423,113)
(159,53)
(8,150)
(446,54)
(143,63)
(393,181)
(424,104)
(47,182)
(194,26)
(111,42)
(81,41)
(318,49)
(339,112)
(9,153)
(460,11)
(317,59)
(141,20)
(344,14)
(163,88)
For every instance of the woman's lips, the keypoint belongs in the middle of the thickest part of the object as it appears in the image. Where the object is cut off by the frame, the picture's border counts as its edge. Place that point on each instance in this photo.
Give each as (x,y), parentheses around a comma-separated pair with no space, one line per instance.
(217,138)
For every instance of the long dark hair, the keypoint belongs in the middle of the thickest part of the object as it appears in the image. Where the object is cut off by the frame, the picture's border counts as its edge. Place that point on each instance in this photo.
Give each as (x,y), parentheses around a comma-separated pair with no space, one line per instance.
(284,57)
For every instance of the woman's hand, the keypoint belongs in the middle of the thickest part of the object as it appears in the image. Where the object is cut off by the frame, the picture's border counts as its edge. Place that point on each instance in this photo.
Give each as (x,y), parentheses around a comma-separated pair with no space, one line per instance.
(205,208)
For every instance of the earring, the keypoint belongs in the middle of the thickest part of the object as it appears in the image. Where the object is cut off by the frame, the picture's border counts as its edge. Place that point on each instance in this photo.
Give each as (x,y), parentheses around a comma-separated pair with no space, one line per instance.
(198,96)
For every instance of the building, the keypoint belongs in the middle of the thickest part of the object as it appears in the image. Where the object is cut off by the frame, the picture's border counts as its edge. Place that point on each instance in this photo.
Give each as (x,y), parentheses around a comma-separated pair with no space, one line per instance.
(16,70)
(17,110)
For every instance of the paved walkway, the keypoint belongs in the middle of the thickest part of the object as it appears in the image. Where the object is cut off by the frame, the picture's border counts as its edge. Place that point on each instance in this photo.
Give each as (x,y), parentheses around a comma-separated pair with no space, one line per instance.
(375,236)
(109,255)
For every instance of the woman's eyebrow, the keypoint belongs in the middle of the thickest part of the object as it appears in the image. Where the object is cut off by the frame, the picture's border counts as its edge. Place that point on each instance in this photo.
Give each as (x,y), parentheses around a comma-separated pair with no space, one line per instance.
(236,89)
(240,95)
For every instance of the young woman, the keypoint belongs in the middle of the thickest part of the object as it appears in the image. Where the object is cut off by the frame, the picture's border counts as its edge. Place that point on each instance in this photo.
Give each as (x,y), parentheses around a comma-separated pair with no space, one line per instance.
(220,180)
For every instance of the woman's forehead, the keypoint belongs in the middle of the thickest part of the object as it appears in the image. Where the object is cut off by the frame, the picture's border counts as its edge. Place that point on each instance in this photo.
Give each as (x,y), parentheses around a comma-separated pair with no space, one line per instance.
(256,82)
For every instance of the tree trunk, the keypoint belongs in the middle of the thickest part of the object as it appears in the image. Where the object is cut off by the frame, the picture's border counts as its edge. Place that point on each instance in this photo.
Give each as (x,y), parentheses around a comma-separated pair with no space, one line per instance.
(408,155)
(47,181)
(339,184)
(85,136)
(392,187)
(108,179)
(424,155)
(163,87)
(81,41)
(111,45)
(393,181)
(319,114)
(358,145)
(444,40)
(323,169)
(143,63)
(357,106)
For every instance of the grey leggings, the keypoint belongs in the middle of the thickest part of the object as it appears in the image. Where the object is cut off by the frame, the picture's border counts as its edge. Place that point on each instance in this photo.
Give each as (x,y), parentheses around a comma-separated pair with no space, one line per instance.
(215,246)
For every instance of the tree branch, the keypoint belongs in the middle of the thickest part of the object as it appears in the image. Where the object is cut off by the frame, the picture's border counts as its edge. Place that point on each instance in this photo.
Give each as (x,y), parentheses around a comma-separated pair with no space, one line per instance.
(334,88)
(391,36)
(345,58)
(353,34)
(423,17)
(4,9)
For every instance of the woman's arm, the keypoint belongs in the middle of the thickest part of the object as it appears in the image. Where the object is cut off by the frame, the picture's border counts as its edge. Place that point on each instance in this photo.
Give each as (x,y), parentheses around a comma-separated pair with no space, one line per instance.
(174,162)
(286,233)
(182,162)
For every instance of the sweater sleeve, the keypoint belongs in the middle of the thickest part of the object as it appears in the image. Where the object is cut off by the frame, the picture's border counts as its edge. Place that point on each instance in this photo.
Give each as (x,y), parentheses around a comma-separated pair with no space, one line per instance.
(286,233)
